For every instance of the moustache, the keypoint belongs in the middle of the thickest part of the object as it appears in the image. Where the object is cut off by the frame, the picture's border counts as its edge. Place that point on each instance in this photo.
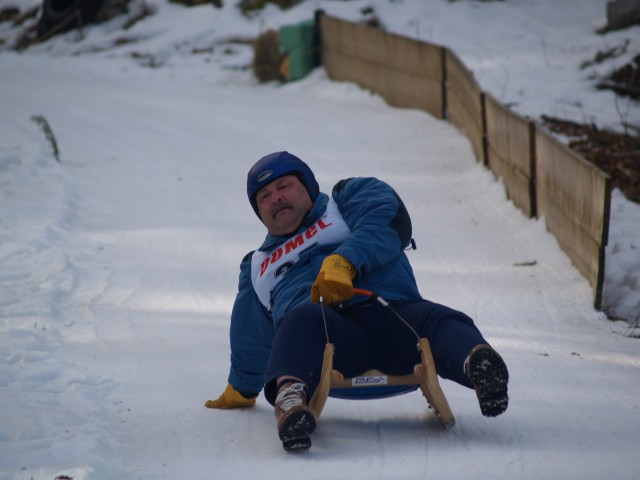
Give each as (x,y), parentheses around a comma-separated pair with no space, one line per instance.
(278,207)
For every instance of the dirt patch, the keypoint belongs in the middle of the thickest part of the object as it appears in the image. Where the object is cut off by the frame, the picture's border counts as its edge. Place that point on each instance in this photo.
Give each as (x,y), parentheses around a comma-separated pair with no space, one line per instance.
(625,81)
(616,153)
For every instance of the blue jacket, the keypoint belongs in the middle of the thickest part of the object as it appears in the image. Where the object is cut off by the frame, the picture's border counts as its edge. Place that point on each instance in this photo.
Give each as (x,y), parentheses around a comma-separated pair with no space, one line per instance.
(380,231)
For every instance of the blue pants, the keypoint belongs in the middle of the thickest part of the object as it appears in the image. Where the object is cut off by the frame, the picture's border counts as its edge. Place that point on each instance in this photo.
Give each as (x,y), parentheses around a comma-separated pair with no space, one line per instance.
(368,336)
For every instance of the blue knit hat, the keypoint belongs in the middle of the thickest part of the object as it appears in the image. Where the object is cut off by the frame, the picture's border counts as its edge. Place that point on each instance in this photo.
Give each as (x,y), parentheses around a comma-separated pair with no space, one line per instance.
(276,165)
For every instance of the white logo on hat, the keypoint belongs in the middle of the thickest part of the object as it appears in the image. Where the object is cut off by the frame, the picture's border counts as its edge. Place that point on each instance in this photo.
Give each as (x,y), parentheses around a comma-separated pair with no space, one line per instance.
(264,175)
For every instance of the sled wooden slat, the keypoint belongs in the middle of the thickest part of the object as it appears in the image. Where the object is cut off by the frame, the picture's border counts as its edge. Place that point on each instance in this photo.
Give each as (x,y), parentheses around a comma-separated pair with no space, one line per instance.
(322,391)
(424,376)
(431,387)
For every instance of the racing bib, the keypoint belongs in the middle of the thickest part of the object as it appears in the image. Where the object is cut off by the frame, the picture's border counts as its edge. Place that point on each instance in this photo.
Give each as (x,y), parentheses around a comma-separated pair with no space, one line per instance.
(270,267)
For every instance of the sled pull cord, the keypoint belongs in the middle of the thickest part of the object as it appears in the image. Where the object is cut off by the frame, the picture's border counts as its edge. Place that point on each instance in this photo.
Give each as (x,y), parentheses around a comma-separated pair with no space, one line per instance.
(384,303)
(324,319)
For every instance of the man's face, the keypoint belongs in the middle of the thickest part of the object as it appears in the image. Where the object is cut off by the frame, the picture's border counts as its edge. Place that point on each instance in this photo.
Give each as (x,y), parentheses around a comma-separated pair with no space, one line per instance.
(283,204)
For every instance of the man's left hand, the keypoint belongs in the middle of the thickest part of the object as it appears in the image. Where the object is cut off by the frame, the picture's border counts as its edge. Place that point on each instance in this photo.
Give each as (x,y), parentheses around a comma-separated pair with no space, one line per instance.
(231,398)
(334,282)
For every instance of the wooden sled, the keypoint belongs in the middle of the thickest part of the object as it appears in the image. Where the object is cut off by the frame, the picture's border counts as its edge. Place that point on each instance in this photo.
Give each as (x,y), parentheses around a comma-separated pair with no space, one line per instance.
(424,377)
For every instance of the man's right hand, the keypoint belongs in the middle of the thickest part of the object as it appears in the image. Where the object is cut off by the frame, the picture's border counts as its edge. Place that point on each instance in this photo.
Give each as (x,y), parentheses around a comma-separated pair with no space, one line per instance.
(231,398)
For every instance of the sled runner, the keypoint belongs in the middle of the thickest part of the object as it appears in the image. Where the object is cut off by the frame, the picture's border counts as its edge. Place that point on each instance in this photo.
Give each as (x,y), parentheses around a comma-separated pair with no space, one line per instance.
(376,384)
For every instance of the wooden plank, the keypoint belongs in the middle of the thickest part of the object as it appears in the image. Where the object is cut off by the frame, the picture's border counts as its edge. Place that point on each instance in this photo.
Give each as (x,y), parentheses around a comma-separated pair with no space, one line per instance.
(378,46)
(319,399)
(575,198)
(460,116)
(511,156)
(464,104)
(405,72)
(585,253)
(398,88)
(577,186)
(431,387)
(518,187)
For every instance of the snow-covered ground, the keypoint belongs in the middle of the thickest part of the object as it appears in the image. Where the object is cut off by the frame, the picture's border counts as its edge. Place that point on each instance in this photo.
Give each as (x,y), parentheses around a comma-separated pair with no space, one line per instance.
(118,266)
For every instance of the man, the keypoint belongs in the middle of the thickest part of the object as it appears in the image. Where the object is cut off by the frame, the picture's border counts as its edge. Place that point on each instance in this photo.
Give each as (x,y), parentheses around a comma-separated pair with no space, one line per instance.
(318,249)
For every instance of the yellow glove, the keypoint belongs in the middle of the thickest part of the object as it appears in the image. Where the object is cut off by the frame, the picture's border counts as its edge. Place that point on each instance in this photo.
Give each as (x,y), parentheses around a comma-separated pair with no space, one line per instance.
(231,398)
(333,283)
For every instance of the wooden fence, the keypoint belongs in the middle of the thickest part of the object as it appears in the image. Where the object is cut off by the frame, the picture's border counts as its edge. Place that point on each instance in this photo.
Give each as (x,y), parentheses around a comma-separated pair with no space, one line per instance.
(542,177)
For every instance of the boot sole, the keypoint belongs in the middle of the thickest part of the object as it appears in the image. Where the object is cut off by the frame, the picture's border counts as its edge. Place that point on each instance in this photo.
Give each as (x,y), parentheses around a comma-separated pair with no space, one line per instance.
(295,430)
(490,376)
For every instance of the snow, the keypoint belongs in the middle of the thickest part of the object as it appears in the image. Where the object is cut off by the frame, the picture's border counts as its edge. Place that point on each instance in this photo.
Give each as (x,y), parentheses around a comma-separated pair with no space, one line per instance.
(119,264)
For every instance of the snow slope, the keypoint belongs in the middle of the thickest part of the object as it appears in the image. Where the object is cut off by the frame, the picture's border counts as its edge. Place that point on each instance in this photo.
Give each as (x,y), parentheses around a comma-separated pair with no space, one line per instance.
(118,269)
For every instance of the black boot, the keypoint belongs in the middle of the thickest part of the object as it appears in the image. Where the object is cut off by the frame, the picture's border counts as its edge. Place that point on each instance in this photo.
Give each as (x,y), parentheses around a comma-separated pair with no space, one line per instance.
(488,373)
